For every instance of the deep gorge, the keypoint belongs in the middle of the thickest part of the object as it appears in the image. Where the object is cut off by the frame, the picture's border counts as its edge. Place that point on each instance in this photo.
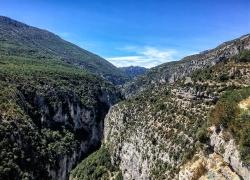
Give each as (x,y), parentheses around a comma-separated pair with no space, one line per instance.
(65,112)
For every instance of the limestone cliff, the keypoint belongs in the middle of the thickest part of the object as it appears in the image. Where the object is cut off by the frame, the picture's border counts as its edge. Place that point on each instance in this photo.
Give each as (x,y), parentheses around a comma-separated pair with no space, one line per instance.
(223,162)
(211,167)
(229,151)
(152,135)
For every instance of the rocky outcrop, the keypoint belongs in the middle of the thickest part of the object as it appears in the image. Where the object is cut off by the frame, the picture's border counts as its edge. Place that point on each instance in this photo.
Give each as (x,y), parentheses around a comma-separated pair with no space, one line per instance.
(66,163)
(223,163)
(212,167)
(230,153)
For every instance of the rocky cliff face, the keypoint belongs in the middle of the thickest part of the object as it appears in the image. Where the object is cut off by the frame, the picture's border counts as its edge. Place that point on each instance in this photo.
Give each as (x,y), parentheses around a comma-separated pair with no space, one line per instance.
(207,167)
(228,150)
(133,160)
(69,113)
(151,135)
(68,130)
(151,140)
(223,162)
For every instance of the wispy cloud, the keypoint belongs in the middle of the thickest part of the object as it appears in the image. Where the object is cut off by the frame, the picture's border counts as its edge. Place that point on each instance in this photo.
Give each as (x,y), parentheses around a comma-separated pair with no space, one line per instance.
(64,34)
(143,56)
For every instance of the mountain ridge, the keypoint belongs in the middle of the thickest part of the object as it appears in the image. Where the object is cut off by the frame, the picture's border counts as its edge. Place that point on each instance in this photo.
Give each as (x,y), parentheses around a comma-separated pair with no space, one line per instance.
(171,71)
(51,110)
(30,40)
(134,71)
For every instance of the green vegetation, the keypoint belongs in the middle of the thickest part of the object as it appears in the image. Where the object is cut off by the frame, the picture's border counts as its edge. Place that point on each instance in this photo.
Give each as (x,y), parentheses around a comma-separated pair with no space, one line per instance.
(31,88)
(47,87)
(30,74)
(23,146)
(17,39)
(20,142)
(202,74)
(97,166)
(202,134)
(236,120)
(244,56)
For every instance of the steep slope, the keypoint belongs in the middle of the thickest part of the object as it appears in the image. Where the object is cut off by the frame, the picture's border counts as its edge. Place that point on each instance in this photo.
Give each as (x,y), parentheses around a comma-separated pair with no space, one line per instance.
(97,166)
(155,134)
(171,72)
(133,71)
(229,136)
(51,116)
(20,39)
(167,132)
(151,135)
(52,104)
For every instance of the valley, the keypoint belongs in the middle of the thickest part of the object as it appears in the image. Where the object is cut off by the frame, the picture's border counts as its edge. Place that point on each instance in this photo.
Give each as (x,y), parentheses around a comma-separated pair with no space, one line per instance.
(169,127)
(66,113)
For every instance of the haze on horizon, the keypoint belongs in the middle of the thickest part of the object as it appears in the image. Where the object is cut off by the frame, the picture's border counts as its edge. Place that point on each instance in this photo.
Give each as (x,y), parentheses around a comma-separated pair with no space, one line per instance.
(140,33)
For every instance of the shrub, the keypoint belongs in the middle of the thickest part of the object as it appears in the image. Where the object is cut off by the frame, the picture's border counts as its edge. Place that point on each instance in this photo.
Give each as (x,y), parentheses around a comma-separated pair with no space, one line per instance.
(223,113)
(244,56)
(223,77)
(202,135)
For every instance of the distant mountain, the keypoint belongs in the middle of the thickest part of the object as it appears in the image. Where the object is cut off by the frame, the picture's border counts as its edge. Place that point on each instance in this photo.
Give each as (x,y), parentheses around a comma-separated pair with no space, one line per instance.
(133,71)
(19,39)
(173,71)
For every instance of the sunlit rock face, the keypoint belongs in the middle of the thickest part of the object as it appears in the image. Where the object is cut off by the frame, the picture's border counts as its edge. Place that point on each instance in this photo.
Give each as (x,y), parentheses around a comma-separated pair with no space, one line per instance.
(230,153)
(223,163)
(211,167)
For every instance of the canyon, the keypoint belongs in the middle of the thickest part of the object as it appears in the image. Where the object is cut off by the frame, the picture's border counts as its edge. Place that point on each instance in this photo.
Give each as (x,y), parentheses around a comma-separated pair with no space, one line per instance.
(73,115)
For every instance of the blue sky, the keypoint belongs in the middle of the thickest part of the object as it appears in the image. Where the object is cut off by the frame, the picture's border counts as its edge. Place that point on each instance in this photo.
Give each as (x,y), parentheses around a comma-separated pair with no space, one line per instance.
(137,32)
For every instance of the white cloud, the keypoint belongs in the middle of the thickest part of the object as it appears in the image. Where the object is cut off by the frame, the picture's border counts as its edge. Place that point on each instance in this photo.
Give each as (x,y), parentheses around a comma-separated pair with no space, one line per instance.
(146,57)
(64,35)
